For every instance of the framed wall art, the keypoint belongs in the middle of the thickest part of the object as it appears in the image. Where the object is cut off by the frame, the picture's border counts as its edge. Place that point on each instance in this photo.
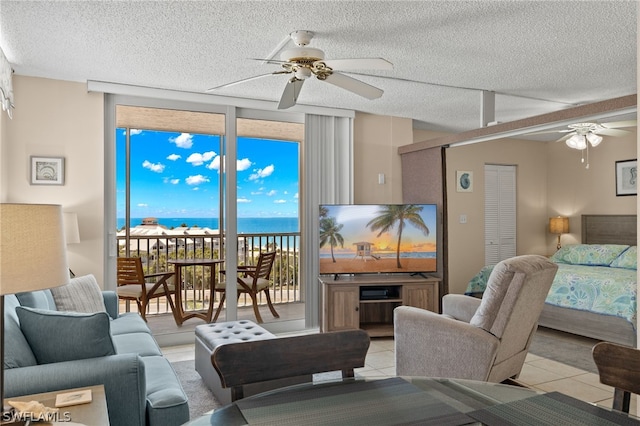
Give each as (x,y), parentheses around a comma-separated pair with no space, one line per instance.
(627,177)
(47,170)
(464,181)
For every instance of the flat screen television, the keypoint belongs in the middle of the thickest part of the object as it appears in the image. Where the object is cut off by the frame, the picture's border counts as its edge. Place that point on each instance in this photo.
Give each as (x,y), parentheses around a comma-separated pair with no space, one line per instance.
(378,238)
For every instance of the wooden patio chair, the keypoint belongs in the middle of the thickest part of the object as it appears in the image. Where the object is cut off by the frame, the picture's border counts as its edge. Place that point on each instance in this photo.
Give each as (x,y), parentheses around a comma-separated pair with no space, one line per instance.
(243,363)
(252,280)
(133,284)
(618,366)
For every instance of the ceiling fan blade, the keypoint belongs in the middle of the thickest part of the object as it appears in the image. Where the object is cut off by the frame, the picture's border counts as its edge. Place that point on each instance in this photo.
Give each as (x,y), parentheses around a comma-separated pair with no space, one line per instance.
(612,132)
(546,132)
(359,64)
(244,80)
(618,124)
(356,86)
(290,94)
(567,136)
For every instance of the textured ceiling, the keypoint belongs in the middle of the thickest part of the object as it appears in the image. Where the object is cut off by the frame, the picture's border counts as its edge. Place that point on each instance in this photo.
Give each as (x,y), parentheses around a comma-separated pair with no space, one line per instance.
(538,56)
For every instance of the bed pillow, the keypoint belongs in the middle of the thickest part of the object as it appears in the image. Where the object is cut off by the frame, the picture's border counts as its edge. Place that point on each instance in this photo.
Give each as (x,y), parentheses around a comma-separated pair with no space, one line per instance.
(82,294)
(627,260)
(65,336)
(589,254)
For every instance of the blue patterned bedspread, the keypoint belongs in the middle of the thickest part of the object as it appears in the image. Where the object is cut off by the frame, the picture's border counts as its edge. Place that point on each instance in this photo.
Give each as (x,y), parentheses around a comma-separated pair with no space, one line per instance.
(599,289)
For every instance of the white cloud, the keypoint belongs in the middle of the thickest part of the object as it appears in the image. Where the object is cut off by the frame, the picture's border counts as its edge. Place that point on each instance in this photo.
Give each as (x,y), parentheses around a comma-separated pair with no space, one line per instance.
(197,159)
(262,173)
(243,200)
(271,193)
(175,181)
(134,131)
(185,140)
(196,180)
(154,167)
(243,164)
(296,196)
(279,201)
(215,164)
(142,205)
(174,157)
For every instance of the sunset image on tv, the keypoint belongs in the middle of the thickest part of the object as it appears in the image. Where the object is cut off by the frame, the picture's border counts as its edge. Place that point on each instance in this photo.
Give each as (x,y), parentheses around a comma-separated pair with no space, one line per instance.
(378,238)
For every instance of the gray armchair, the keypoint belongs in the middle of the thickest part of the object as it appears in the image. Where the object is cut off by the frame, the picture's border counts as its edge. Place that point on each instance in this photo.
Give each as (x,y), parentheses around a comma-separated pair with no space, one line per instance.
(481,339)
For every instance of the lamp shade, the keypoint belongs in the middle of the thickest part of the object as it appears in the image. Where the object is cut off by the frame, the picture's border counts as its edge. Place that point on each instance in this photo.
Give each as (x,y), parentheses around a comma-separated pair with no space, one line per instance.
(559,225)
(71,229)
(33,255)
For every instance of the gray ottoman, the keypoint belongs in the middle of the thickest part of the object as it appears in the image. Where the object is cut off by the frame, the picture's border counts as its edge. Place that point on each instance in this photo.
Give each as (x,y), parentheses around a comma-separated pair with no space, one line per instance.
(210,336)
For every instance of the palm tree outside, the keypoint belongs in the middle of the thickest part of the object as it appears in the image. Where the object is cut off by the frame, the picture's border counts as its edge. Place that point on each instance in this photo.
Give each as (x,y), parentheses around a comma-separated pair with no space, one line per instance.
(400,215)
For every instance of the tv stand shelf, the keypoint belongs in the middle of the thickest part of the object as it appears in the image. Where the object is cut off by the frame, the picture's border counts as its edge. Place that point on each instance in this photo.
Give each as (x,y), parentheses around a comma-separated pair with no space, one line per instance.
(368,301)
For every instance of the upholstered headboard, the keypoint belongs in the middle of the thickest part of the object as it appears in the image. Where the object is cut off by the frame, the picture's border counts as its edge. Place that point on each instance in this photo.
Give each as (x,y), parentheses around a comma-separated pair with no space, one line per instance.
(609,229)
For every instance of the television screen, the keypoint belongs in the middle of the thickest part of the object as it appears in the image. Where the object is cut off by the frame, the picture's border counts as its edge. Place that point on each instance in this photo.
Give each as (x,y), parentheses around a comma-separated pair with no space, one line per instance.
(360,239)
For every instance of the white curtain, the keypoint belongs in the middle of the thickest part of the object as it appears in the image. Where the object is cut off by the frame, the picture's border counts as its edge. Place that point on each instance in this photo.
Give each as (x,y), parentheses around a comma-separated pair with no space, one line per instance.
(327,179)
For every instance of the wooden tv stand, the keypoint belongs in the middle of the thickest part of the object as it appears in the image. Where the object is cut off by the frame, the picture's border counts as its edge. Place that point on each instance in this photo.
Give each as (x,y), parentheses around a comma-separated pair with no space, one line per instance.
(367,301)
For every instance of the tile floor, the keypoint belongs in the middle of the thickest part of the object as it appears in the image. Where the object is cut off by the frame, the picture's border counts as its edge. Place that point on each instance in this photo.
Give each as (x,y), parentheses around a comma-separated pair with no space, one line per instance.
(538,373)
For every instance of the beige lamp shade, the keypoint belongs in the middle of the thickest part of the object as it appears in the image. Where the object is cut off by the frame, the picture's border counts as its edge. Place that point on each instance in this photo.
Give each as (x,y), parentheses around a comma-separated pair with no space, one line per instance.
(559,225)
(71,229)
(33,254)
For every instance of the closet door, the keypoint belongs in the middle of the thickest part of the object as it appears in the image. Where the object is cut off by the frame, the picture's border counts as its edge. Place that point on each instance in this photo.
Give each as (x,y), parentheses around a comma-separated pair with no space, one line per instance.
(499,213)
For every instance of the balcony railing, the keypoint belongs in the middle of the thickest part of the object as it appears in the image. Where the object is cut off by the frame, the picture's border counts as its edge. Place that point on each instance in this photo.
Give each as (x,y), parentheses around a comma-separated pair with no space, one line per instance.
(156,250)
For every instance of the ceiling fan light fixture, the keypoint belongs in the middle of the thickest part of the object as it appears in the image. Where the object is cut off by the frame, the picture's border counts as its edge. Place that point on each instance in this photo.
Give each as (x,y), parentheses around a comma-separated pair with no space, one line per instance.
(302,73)
(577,142)
(302,55)
(594,139)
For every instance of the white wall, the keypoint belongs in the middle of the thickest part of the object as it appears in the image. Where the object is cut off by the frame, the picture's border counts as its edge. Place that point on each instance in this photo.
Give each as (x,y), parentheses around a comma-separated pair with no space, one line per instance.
(57,118)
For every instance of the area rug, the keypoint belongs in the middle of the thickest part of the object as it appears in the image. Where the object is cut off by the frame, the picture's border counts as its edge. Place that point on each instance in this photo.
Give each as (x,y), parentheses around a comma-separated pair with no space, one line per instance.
(565,348)
(201,399)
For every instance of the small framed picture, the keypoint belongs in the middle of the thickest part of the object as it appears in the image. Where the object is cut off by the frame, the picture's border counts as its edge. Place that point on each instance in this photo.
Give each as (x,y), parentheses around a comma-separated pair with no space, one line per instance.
(626,177)
(464,181)
(47,170)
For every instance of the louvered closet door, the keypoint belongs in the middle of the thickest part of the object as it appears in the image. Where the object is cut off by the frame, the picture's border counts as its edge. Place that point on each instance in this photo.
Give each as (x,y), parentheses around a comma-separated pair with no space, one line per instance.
(499,213)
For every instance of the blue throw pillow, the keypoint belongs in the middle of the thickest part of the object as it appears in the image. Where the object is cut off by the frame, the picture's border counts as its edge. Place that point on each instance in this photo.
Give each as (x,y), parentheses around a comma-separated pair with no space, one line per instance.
(65,336)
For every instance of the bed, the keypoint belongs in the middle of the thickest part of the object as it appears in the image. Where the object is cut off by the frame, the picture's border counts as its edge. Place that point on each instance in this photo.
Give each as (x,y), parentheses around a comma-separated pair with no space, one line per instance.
(594,293)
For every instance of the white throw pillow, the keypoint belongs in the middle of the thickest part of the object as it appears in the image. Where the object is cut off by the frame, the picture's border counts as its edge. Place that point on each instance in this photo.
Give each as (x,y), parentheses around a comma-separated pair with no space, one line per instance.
(82,294)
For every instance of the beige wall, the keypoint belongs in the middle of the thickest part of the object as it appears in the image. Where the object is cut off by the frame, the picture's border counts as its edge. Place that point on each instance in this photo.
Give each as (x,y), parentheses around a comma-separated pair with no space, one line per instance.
(466,241)
(574,190)
(376,141)
(57,118)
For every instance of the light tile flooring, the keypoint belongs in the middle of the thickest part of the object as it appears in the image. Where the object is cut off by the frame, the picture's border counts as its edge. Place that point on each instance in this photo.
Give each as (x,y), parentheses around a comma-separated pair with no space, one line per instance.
(538,373)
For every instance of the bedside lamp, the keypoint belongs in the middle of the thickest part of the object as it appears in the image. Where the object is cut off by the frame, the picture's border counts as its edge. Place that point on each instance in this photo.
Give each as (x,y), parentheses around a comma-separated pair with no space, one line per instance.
(558,225)
(33,255)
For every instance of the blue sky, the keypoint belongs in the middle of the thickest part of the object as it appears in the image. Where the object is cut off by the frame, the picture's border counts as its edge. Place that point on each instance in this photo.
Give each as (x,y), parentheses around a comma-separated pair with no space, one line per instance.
(177,175)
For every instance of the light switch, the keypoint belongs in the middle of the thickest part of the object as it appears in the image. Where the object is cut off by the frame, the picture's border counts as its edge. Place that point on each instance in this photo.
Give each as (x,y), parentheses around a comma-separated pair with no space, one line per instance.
(463,218)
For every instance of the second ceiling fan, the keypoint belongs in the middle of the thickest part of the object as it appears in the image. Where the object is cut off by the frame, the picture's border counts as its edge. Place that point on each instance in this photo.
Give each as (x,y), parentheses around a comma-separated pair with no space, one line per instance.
(304,62)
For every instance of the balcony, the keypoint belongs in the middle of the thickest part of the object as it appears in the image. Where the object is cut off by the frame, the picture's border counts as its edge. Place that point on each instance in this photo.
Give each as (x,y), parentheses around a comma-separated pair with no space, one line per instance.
(156,250)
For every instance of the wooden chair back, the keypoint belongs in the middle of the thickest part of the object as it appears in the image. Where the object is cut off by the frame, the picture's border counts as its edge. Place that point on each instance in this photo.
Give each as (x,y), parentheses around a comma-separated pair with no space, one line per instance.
(243,363)
(129,271)
(618,366)
(264,266)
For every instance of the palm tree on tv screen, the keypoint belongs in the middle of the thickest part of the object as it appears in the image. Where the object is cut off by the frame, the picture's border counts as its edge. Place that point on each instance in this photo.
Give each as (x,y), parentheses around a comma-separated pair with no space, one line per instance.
(330,233)
(390,215)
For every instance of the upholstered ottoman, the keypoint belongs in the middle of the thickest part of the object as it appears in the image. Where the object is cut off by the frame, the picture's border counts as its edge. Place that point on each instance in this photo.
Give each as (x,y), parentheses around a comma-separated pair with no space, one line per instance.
(210,336)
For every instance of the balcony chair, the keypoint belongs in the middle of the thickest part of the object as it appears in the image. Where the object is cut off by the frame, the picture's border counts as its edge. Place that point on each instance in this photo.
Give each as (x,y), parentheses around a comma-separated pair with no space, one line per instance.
(252,280)
(133,284)
(243,363)
(618,366)
(480,339)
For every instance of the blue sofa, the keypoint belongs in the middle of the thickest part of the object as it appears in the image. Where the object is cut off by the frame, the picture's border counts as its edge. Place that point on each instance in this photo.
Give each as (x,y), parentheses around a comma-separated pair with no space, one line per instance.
(141,386)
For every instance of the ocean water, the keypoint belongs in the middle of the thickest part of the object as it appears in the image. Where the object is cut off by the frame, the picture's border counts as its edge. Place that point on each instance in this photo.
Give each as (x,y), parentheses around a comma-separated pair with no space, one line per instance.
(246,225)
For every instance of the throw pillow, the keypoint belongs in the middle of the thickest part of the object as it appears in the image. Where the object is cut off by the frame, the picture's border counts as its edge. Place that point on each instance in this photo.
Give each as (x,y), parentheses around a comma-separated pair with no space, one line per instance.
(588,254)
(82,294)
(64,336)
(627,260)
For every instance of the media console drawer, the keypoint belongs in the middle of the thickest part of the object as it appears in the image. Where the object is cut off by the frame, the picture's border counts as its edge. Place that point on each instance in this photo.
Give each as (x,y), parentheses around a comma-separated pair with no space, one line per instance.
(367,302)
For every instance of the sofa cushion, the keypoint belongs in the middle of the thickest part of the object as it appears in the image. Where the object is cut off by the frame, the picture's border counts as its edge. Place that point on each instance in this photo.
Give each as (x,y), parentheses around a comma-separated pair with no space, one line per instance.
(18,353)
(84,336)
(142,344)
(41,299)
(82,294)
(129,323)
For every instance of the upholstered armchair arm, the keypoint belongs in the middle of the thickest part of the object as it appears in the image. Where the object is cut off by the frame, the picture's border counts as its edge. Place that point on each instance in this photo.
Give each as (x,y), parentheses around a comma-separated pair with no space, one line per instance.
(123,377)
(433,345)
(111,303)
(459,306)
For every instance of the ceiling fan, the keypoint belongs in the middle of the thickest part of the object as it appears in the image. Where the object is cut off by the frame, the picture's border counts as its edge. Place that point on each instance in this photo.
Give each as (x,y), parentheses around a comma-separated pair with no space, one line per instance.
(304,62)
(578,134)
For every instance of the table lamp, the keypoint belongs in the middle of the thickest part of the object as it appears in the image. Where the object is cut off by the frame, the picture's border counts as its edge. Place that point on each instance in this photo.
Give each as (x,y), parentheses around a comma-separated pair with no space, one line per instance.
(33,256)
(559,225)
